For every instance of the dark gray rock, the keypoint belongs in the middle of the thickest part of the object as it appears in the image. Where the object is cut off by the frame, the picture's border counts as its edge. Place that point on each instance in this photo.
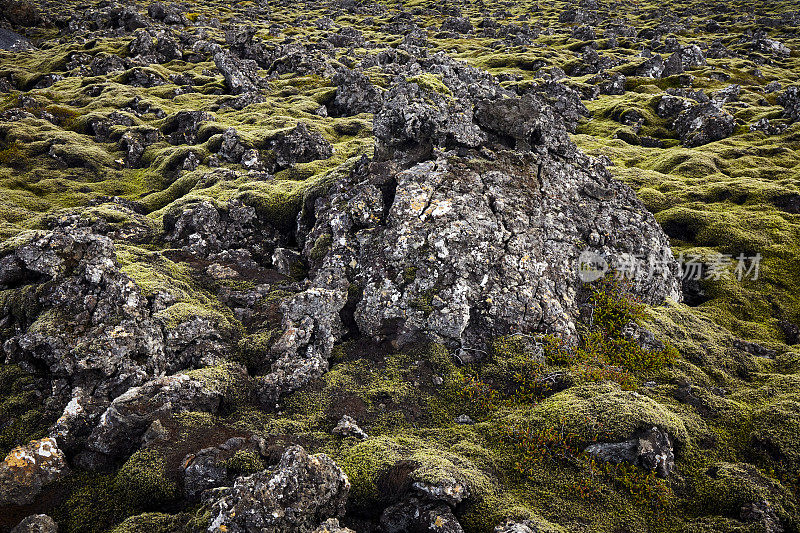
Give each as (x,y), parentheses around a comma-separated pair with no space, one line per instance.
(348,427)
(300,145)
(241,75)
(421,516)
(217,233)
(122,425)
(652,450)
(651,68)
(790,100)
(297,496)
(457,25)
(355,94)
(183,126)
(28,468)
(37,523)
(702,124)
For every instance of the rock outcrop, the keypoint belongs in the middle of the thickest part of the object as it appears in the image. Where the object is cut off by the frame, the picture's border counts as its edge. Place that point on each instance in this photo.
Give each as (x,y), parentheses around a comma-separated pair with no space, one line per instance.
(299,495)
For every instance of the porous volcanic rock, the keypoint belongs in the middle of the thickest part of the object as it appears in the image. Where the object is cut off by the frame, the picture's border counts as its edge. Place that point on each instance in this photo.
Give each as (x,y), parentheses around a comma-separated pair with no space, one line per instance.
(299,495)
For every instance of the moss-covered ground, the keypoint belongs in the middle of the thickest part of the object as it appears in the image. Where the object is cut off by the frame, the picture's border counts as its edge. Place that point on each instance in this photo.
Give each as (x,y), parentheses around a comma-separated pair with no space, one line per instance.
(533,404)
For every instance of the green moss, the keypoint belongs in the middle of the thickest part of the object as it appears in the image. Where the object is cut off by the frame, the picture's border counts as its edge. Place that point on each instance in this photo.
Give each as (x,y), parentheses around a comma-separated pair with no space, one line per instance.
(22,413)
(725,487)
(244,462)
(94,504)
(321,246)
(143,482)
(602,410)
(431,82)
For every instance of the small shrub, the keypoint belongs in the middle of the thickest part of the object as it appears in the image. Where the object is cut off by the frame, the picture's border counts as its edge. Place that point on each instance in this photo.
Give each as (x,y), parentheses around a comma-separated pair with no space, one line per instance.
(480,397)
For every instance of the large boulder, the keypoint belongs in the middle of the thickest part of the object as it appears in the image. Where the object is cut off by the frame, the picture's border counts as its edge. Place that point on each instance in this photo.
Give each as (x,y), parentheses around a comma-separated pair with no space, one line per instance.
(107,340)
(705,123)
(27,469)
(37,523)
(459,248)
(297,496)
(121,425)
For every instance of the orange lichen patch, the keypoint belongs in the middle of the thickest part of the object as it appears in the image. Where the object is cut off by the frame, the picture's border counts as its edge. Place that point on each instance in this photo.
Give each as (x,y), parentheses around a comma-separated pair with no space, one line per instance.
(26,469)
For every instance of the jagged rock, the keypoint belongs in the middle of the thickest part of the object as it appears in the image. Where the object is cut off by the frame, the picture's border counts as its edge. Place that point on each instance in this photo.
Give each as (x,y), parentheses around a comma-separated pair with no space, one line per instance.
(241,40)
(703,124)
(234,230)
(297,59)
(232,149)
(109,329)
(37,523)
(241,75)
(287,262)
(726,95)
(435,121)
(20,13)
(300,145)
(413,514)
(183,126)
(299,495)
(577,16)
(673,65)
(102,127)
(763,513)
(457,25)
(448,219)
(609,83)
(134,143)
(154,46)
(207,468)
(765,126)
(790,100)
(448,490)
(670,106)
(331,525)
(347,37)
(27,469)
(311,324)
(167,13)
(348,427)
(564,101)
(130,414)
(651,68)
(355,94)
(651,450)
(769,46)
(112,16)
(584,33)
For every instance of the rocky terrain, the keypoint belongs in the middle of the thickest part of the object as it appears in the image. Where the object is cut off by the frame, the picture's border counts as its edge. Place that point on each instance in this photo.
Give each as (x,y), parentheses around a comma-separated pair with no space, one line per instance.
(316,266)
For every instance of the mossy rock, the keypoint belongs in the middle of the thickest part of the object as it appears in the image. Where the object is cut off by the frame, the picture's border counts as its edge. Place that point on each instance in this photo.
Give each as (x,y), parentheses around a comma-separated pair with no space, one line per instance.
(142,480)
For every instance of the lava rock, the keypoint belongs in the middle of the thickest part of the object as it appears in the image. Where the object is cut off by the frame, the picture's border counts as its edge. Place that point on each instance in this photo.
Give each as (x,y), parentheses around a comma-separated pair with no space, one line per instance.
(37,523)
(300,145)
(348,427)
(130,414)
(413,514)
(27,469)
(790,100)
(651,450)
(703,124)
(297,496)
(183,126)
(355,94)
